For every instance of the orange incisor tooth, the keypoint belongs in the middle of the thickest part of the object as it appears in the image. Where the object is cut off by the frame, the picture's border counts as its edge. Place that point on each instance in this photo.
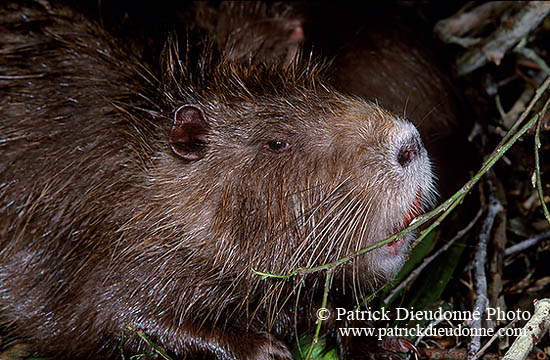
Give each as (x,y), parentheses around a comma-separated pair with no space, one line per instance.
(415,209)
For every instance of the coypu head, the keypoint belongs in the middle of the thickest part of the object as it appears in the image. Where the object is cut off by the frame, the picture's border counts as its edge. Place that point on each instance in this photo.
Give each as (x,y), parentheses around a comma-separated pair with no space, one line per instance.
(284,173)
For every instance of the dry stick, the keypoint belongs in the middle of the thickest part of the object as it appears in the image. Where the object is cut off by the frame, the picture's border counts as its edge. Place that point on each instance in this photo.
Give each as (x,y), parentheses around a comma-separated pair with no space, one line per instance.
(526,243)
(538,94)
(482,301)
(414,274)
(450,29)
(491,340)
(495,46)
(446,207)
(531,55)
(508,118)
(533,331)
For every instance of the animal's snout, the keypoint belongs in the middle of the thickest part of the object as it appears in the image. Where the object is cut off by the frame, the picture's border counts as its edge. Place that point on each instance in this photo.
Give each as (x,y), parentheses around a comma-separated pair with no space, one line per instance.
(410,150)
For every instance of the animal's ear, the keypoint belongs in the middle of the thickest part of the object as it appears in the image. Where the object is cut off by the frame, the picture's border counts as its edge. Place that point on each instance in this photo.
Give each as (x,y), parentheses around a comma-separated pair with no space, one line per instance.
(188,134)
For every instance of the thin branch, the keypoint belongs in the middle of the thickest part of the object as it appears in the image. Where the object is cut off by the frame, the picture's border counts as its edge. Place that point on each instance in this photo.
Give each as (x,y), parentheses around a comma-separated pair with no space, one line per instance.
(526,243)
(537,172)
(508,118)
(531,55)
(480,279)
(491,340)
(496,259)
(159,350)
(328,282)
(538,94)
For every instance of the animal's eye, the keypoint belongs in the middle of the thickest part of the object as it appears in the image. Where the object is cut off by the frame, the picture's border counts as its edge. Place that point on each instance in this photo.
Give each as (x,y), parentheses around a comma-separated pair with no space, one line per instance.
(277,146)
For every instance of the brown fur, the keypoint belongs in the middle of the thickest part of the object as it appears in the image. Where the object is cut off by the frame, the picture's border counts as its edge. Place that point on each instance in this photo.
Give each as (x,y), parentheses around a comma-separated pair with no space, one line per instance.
(103,225)
(252,32)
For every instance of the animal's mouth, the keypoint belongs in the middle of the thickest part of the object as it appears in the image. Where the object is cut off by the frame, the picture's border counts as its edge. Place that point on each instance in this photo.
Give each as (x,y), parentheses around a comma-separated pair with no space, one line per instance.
(414,211)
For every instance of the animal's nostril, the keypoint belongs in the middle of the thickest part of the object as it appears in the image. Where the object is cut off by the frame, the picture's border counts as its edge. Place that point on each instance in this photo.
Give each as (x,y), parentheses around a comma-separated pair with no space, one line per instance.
(408,152)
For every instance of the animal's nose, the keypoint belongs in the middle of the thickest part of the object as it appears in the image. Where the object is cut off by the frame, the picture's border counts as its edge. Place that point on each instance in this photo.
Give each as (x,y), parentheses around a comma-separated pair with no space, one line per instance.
(409,151)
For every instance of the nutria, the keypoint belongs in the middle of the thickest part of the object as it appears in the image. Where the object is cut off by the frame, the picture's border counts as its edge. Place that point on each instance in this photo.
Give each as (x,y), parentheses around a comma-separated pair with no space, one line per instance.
(145,197)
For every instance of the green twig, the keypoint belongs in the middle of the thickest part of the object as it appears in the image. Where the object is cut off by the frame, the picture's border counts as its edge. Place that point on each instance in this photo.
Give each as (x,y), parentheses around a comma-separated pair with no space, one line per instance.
(268,275)
(121,345)
(372,296)
(298,292)
(159,350)
(537,171)
(328,282)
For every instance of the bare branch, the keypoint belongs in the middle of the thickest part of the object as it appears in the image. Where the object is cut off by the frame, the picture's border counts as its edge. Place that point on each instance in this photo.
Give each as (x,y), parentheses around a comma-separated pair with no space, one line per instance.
(504,38)
(482,301)
(535,329)
(526,243)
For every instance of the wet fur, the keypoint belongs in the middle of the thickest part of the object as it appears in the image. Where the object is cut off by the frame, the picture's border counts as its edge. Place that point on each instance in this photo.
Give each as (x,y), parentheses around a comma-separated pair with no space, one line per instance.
(103,226)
